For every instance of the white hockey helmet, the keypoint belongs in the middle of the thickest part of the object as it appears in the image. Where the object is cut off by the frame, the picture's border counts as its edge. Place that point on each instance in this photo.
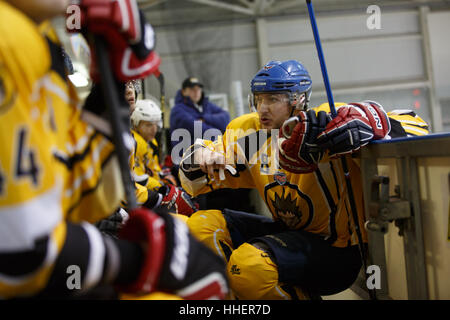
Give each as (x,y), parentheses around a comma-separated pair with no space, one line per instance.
(146,110)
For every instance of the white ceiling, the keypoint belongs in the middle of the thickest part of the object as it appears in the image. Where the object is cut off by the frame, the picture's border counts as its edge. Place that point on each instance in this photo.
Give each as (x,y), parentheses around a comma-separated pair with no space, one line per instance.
(177,12)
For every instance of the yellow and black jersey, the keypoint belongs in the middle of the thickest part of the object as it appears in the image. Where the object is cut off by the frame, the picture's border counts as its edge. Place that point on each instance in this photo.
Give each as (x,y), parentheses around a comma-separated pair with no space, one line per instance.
(406,122)
(316,202)
(54,167)
(145,186)
(145,165)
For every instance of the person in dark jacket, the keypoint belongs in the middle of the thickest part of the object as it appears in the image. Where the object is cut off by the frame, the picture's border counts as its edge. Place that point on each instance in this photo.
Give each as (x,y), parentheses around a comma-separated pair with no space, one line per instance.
(192,105)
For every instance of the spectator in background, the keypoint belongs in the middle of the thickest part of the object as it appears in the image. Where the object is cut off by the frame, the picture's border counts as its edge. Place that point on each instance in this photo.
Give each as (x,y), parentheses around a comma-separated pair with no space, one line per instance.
(192,105)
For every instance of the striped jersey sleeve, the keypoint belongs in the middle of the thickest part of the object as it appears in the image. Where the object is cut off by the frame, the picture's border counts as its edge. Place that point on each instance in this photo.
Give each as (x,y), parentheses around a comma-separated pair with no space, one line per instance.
(405,122)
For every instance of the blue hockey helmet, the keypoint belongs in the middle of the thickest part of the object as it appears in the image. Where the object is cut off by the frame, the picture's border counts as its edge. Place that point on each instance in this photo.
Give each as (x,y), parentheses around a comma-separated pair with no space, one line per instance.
(288,76)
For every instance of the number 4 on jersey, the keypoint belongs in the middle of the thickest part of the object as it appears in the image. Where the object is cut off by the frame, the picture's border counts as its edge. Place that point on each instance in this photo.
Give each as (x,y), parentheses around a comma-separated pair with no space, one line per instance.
(26,166)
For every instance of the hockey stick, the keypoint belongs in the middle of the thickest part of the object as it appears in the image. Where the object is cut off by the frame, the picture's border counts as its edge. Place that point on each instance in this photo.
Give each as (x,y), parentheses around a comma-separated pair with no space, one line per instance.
(351,196)
(162,99)
(118,116)
(162,92)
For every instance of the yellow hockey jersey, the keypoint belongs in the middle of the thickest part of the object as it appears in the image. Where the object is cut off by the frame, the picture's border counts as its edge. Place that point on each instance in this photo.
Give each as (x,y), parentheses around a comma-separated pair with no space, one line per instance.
(316,202)
(145,166)
(53,166)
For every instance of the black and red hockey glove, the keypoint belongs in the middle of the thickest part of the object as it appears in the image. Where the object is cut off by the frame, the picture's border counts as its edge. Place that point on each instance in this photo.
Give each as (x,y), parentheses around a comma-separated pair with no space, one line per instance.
(355,125)
(177,199)
(130,38)
(171,261)
(298,149)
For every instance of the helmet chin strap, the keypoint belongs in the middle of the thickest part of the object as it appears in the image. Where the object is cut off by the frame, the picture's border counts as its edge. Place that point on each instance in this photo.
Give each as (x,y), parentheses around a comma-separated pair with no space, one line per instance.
(293,107)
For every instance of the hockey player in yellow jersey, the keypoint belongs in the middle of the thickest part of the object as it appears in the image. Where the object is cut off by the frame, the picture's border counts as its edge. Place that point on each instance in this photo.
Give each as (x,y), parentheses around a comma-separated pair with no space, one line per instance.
(145,120)
(59,172)
(131,93)
(289,153)
(150,181)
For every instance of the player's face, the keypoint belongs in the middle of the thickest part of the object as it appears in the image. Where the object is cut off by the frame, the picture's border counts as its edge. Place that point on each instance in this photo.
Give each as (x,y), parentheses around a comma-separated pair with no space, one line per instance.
(273,109)
(40,10)
(147,130)
(130,95)
(195,93)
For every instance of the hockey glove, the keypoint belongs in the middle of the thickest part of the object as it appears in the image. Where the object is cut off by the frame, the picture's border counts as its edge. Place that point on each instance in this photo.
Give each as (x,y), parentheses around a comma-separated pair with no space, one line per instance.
(176,198)
(112,224)
(355,125)
(130,39)
(171,262)
(298,150)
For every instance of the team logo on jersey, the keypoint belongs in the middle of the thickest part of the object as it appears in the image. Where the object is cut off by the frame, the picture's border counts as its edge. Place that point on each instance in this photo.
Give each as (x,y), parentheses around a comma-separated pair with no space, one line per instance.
(280,178)
(235,269)
(288,204)
(287,209)
(7,94)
